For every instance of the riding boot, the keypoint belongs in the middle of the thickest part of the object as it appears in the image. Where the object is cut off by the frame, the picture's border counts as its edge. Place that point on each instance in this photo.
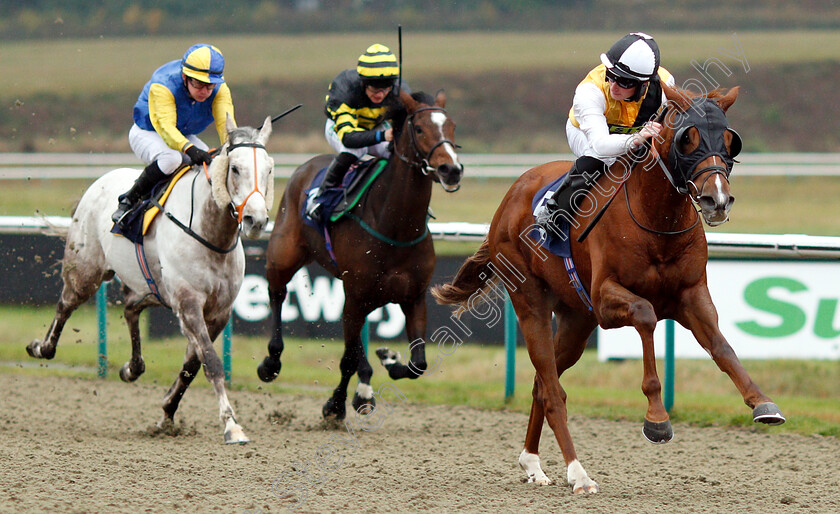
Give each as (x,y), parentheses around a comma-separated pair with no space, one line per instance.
(332,179)
(142,187)
(565,203)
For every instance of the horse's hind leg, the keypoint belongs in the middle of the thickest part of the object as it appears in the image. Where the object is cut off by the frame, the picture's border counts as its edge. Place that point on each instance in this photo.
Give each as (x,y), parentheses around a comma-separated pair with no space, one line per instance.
(81,281)
(415,328)
(569,343)
(698,314)
(192,364)
(135,367)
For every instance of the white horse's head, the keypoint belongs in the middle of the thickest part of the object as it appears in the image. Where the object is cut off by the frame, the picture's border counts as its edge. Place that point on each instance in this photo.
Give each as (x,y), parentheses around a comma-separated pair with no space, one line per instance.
(243,176)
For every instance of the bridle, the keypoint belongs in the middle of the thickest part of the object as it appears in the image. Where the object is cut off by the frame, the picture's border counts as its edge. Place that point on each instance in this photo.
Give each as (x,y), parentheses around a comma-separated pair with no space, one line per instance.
(423,161)
(684,164)
(236,210)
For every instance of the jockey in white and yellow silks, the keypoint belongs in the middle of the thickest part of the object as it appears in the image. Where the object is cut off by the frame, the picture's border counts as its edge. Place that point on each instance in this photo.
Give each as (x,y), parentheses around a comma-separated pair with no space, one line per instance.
(356,105)
(603,124)
(612,113)
(181,100)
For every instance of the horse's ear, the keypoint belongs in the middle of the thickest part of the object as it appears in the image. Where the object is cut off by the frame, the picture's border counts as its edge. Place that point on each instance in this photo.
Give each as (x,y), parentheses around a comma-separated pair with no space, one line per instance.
(728,99)
(408,101)
(265,131)
(440,98)
(674,95)
(229,123)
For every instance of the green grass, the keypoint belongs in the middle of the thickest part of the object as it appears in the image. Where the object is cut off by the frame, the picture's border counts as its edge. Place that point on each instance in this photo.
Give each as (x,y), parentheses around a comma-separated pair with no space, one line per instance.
(472,375)
(102,65)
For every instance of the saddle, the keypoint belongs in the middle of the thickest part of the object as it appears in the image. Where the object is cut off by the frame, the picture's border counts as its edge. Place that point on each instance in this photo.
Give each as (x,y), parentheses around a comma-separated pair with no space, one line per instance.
(141,216)
(336,202)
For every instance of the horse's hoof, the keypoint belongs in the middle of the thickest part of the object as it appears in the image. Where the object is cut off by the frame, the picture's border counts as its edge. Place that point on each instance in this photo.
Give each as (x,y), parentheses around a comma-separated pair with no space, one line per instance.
(658,433)
(35,349)
(768,413)
(334,410)
(126,375)
(387,357)
(234,434)
(268,369)
(363,406)
(586,487)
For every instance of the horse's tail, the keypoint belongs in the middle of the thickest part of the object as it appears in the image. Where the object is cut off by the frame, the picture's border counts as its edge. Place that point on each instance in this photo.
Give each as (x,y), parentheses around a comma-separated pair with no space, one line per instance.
(474,275)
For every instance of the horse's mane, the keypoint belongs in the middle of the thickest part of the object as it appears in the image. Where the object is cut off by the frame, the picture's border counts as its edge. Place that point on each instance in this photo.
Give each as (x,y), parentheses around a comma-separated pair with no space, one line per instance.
(398,113)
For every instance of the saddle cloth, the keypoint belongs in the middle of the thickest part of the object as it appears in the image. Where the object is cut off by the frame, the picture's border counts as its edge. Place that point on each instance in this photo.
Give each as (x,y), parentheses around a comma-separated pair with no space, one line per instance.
(338,201)
(558,245)
(140,218)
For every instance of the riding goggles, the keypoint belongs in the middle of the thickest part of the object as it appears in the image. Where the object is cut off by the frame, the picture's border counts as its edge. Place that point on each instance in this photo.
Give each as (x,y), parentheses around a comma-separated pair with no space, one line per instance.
(622,81)
(197,84)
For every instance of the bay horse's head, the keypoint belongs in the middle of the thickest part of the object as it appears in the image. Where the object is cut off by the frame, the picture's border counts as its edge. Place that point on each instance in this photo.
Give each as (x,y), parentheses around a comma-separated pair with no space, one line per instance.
(431,136)
(243,176)
(700,149)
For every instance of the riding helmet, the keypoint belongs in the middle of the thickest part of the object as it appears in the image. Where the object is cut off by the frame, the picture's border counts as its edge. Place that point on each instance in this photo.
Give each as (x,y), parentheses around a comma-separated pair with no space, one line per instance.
(635,56)
(378,67)
(204,63)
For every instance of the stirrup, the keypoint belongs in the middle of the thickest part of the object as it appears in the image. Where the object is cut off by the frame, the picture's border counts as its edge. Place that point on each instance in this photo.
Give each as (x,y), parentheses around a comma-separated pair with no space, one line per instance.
(314,211)
(123,210)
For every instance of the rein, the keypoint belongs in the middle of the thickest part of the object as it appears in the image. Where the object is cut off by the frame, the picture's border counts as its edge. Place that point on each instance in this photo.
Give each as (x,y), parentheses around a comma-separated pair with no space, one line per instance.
(238,209)
(189,231)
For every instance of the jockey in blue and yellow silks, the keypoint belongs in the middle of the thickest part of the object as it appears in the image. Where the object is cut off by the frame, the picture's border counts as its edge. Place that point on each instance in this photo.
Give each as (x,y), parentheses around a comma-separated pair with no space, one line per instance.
(181,99)
(356,105)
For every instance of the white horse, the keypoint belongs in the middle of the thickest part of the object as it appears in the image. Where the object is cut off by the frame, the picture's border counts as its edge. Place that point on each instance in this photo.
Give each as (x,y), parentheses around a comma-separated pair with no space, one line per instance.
(195,259)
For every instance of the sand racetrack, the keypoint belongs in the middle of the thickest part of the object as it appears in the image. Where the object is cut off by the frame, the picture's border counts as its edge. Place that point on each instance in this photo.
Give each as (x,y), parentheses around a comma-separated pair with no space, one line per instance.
(72,445)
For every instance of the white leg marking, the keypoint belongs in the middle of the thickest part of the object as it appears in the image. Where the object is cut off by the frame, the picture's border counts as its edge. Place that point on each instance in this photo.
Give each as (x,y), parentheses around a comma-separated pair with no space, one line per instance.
(530,463)
(579,480)
(365,391)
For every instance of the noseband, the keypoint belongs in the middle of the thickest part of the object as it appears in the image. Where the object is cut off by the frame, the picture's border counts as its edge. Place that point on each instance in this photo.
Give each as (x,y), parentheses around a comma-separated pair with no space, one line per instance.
(423,163)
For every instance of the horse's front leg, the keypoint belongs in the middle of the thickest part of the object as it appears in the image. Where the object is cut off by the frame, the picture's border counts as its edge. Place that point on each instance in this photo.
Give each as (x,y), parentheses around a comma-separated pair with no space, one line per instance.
(269,368)
(415,329)
(618,307)
(353,320)
(199,334)
(698,314)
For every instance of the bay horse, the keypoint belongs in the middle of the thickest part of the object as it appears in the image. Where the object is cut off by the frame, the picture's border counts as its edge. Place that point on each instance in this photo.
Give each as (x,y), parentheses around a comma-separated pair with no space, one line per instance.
(195,259)
(644,261)
(383,252)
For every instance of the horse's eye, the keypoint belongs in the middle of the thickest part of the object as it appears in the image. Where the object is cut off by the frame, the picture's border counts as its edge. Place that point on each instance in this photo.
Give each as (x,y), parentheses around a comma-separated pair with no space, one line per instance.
(418,130)
(234,170)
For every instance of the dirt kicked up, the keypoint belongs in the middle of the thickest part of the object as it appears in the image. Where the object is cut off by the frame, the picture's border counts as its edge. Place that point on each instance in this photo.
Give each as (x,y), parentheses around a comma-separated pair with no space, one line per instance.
(71,445)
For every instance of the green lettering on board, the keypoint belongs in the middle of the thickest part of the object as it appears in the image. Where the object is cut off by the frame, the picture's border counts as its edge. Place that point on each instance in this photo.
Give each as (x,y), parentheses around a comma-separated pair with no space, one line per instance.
(756,295)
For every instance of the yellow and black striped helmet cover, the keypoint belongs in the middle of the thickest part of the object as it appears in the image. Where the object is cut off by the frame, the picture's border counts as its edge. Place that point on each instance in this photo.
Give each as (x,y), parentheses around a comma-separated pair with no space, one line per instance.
(378,63)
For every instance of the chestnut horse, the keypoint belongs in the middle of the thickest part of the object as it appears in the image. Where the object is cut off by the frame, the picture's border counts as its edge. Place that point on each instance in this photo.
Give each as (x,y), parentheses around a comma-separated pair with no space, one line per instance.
(644,261)
(383,251)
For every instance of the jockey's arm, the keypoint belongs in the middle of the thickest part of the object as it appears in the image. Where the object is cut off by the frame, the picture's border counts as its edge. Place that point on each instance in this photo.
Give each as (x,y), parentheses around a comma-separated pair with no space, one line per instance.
(222,106)
(349,131)
(164,116)
(589,105)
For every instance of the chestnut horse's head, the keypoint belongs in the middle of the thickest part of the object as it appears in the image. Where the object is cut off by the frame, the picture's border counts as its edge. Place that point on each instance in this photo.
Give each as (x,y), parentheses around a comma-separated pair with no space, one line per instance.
(432,135)
(700,149)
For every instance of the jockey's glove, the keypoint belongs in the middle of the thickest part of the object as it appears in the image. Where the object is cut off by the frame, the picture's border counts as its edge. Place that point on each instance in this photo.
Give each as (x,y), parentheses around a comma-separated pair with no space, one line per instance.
(198,155)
